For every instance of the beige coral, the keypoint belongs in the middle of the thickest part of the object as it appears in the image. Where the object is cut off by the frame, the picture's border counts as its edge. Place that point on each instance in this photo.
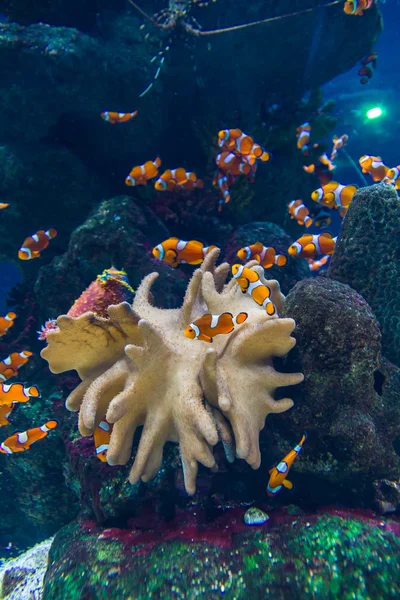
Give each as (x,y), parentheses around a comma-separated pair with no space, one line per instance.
(139,369)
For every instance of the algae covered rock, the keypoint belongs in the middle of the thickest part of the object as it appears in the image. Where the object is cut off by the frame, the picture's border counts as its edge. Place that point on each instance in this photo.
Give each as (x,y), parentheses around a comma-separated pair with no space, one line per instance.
(21,578)
(349,403)
(367,257)
(295,557)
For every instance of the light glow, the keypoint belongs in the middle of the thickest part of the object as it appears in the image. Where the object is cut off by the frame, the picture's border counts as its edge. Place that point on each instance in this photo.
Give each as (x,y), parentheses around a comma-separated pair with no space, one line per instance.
(374,113)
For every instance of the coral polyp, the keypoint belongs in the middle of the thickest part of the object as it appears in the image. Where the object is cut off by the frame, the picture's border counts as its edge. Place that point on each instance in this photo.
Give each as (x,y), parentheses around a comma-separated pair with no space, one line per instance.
(139,369)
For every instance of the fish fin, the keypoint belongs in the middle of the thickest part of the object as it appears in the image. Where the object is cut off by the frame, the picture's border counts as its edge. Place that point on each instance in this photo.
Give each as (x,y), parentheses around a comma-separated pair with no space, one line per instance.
(287,484)
(258,247)
(205,338)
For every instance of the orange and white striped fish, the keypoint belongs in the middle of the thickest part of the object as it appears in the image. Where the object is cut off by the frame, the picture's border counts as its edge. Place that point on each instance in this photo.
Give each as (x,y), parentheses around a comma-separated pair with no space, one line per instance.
(5,412)
(141,174)
(357,7)
(374,166)
(16,393)
(309,246)
(303,134)
(21,442)
(338,143)
(208,326)
(117,117)
(234,140)
(101,438)
(7,322)
(250,283)
(279,473)
(335,195)
(175,251)
(393,176)
(34,244)
(9,366)
(179,178)
(229,162)
(266,256)
(316,265)
(3,205)
(300,213)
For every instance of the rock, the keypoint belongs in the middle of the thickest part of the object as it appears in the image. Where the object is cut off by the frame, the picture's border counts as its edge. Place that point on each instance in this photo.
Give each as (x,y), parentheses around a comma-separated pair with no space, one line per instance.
(255,516)
(367,258)
(387,496)
(21,578)
(349,403)
(189,558)
(270,235)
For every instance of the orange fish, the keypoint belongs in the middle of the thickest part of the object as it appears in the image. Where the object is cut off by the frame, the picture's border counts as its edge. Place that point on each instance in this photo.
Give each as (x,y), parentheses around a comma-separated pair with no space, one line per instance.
(250,283)
(3,205)
(338,143)
(316,265)
(10,365)
(234,140)
(101,437)
(309,245)
(223,182)
(365,73)
(229,162)
(117,117)
(7,322)
(175,251)
(5,412)
(178,178)
(303,134)
(300,213)
(266,256)
(323,218)
(374,166)
(208,326)
(393,176)
(20,442)
(335,195)
(16,392)
(357,7)
(279,473)
(141,175)
(34,244)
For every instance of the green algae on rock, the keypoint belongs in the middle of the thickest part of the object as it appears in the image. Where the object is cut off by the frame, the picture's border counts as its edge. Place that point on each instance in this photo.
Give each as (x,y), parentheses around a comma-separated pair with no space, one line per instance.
(298,558)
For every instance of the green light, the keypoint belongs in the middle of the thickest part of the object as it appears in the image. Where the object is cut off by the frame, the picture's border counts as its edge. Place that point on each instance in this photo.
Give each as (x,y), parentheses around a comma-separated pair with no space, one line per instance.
(374,113)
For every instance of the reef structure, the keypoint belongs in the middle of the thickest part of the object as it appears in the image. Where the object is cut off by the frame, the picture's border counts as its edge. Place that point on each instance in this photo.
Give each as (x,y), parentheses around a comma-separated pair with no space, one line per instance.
(138,369)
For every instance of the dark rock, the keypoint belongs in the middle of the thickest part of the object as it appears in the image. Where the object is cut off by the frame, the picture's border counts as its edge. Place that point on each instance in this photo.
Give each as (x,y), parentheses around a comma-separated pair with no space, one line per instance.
(270,235)
(349,403)
(367,257)
(387,496)
(190,557)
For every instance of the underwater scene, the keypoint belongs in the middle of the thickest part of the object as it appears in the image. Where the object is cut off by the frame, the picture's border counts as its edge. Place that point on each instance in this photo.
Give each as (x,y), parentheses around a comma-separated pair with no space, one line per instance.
(199,299)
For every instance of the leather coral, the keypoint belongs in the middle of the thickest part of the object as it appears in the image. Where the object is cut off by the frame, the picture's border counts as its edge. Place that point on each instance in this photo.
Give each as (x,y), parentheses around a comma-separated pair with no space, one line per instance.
(138,369)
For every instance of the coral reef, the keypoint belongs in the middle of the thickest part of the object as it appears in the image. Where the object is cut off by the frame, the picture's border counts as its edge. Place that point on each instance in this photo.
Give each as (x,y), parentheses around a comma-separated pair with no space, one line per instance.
(331,555)
(349,403)
(367,258)
(270,235)
(201,389)
(22,578)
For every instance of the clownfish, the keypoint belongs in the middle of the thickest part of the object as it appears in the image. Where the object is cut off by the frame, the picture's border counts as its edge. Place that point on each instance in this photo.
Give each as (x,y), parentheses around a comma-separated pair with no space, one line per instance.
(266,256)
(234,140)
(374,166)
(393,176)
(371,59)
(223,182)
(172,179)
(338,143)
(365,73)
(20,442)
(3,205)
(141,174)
(250,283)
(279,473)
(356,7)
(303,134)
(309,245)
(9,366)
(335,195)
(7,322)
(34,244)
(101,438)
(298,211)
(231,163)
(316,265)
(175,251)
(16,393)
(5,412)
(323,219)
(117,117)
(208,326)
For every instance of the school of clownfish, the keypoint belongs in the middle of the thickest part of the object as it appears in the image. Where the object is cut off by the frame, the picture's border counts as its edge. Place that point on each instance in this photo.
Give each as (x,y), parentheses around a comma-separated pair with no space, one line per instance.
(239,156)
